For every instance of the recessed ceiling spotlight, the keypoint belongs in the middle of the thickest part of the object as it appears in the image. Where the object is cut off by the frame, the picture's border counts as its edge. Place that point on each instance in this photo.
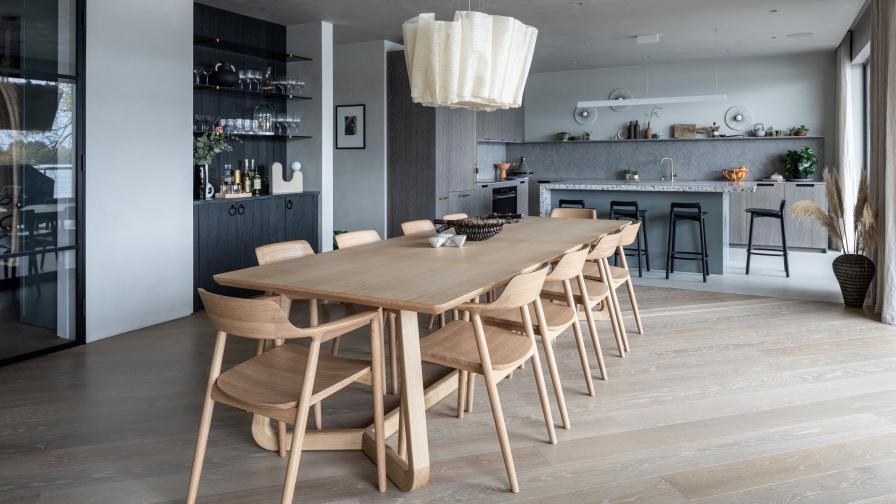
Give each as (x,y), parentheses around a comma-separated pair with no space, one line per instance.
(653,38)
(800,35)
(575,62)
(773,11)
(727,50)
(774,37)
(579,4)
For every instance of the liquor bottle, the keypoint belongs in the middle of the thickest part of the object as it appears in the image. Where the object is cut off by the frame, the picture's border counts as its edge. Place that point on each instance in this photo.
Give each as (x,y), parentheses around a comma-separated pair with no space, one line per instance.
(256,180)
(247,178)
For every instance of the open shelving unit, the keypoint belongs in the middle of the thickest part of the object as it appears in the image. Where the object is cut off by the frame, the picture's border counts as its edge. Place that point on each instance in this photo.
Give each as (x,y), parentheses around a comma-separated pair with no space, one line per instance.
(246,50)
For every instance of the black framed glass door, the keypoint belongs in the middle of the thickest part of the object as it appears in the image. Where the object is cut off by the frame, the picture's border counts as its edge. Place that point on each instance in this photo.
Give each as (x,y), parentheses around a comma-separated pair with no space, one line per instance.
(40,132)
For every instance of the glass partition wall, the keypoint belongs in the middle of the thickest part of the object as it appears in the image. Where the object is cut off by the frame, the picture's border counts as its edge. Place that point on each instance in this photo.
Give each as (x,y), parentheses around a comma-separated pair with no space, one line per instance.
(40,131)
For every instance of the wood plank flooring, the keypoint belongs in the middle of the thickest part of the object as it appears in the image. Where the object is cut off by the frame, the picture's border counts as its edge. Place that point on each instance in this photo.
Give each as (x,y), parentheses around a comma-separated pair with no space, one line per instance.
(727,399)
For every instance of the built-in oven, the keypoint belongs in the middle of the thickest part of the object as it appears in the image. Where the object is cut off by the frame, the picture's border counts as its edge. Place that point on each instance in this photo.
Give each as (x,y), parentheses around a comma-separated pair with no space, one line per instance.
(504,200)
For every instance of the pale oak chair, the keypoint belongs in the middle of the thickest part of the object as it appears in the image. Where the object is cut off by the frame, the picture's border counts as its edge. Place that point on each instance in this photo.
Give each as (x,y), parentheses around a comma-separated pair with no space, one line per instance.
(283,382)
(418,227)
(550,320)
(596,292)
(621,275)
(573,213)
(356,239)
(473,348)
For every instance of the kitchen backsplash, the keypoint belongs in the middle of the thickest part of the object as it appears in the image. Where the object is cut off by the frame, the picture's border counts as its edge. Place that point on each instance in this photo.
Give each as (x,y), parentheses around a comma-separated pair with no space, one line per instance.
(694,159)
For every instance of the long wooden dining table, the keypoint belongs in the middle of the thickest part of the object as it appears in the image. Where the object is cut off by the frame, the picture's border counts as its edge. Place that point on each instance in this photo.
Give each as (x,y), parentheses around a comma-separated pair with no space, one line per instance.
(407,276)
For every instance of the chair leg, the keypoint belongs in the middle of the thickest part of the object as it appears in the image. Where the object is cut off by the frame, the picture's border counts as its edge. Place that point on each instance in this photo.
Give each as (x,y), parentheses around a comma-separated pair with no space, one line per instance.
(208,405)
(640,259)
(669,246)
(631,296)
(312,312)
(402,435)
(784,249)
(393,353)
(646,243)
(543,398)
(615,307)
(555,381)
(750,244)
(298,433)
(461,392)
(318,416)
(337,341)
(432,322)
(583,356)
(704,262)
(441,320)
(674,242)
(471,389)
(501,428)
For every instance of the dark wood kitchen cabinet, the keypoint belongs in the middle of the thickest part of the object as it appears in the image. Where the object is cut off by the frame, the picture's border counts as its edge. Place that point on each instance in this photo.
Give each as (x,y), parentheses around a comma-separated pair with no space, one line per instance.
(226,233)
(500,125)
(431,154)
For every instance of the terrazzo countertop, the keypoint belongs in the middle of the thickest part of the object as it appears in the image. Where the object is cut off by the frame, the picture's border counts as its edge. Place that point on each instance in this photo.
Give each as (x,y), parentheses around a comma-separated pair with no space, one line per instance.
(651,186)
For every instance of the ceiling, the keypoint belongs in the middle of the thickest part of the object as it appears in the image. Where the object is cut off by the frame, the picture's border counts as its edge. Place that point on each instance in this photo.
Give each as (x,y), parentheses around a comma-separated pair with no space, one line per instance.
(597,33)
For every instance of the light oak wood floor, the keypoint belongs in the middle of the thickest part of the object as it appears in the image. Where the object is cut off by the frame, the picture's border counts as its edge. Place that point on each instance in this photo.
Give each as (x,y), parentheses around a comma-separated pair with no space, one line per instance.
(727,399)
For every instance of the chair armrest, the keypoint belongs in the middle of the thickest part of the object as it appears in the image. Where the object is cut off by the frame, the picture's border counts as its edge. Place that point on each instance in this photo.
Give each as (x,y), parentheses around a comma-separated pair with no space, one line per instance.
(337,328)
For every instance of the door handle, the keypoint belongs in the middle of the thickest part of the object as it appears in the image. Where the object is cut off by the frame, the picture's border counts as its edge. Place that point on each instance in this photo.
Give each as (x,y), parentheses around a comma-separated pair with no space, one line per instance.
(805,185)
(231,211)
(241,209)
(765,185)
(289,204)
(443,198)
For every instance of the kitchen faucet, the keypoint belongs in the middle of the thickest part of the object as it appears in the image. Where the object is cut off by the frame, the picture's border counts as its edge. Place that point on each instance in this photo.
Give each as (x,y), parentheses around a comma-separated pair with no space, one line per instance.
(672,167)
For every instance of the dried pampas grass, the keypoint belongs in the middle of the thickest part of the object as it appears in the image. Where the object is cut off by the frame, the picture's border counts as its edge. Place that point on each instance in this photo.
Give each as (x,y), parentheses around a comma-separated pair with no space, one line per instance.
(864,231)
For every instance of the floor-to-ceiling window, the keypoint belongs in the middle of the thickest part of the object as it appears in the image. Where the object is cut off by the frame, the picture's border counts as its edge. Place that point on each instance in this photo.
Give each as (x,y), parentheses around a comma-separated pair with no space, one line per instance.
(39,176)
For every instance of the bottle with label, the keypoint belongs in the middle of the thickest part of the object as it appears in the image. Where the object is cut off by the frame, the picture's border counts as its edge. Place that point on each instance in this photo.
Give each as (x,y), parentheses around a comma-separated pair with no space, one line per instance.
(256,180)
(247,178)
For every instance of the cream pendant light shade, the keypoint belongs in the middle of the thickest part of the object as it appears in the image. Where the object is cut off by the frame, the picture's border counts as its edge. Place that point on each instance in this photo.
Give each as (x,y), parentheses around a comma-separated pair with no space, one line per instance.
(477,61)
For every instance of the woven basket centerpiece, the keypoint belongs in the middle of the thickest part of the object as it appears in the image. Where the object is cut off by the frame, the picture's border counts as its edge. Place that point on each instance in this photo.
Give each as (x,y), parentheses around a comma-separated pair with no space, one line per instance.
(478,229)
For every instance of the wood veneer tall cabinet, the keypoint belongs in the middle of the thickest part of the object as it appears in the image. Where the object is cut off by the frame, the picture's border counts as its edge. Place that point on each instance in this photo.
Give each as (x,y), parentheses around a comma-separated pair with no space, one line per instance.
(431,153)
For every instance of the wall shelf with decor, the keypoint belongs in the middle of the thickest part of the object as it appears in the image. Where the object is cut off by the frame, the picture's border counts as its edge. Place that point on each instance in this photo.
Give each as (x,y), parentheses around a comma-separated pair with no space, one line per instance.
(261,135)
(245,50)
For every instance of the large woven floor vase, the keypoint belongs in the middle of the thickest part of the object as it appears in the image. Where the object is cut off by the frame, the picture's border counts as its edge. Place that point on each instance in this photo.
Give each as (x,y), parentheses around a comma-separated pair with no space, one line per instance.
(854,273)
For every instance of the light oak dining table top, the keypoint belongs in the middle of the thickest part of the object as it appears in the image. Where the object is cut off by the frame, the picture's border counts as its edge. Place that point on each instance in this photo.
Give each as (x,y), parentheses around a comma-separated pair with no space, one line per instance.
(406,273)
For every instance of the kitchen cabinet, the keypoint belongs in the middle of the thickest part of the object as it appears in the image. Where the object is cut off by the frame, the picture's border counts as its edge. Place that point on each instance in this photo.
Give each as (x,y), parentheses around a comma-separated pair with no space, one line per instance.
(464,202)
(800,233)
(805,233)
(500,125)
(522,198)
(226,233)
(431,154)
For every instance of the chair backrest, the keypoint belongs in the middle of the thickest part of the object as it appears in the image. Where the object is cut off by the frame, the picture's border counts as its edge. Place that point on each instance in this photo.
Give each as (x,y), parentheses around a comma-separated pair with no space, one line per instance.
(249,318)
(629,233)
(695,207)
(455,216)
(623,205)
(605,246)
(574,213)
(418,227)
(355,238)
(283,251)
(783,204)
(569,266)
(522,290)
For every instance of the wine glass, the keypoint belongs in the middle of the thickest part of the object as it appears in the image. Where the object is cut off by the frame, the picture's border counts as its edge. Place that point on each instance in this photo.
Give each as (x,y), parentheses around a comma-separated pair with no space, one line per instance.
(197,123)
(205,72)
(242,75)
(195,76)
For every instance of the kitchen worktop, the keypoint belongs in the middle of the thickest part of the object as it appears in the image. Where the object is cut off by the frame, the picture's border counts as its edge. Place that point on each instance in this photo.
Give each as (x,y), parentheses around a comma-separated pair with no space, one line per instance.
(650,185)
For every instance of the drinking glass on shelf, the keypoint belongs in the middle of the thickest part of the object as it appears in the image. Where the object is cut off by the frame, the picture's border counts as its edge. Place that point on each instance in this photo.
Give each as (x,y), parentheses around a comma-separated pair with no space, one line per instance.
(195,76)
(258,76)
(242,75)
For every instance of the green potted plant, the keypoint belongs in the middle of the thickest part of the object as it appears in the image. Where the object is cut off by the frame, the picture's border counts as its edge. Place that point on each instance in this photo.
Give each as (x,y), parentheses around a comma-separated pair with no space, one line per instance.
(205,147)
(801,130)
(854,270)
(628,174)
(800,164)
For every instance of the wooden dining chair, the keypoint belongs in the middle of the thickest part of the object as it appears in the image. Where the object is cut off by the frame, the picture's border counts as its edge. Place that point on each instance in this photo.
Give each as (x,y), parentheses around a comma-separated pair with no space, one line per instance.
(573,213)
(596,292)
(356,239)
(621,274)
(474,348)
(418,227)
(550,320)
(284,381)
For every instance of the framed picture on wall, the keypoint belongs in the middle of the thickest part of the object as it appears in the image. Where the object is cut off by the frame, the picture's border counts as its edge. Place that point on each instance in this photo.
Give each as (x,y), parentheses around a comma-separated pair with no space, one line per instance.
(350,126)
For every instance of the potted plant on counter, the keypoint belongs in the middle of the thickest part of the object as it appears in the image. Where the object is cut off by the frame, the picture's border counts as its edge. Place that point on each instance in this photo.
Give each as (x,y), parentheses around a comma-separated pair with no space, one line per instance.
(854,271)
(205,147)
(800,164)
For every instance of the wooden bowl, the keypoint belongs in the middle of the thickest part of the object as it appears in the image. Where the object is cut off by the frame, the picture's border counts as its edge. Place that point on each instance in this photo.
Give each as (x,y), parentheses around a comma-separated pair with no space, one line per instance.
(736,175)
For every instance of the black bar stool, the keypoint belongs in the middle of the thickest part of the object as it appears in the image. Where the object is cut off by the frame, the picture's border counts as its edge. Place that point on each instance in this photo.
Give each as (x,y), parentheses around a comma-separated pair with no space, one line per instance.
(572,203)
(768,250)
(629,210)
(692,212)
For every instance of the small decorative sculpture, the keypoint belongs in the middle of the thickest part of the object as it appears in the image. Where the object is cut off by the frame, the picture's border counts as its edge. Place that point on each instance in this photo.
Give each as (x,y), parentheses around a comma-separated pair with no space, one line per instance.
(279,182)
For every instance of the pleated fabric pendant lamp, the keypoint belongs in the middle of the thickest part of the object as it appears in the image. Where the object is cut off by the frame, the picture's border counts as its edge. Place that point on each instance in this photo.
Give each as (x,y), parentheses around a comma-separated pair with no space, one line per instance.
(477,61)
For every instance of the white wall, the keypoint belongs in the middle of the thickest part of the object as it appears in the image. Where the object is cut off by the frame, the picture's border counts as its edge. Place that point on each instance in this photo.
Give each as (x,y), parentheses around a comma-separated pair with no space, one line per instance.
(139,223)
(359,175)
(315,154)
(781,91)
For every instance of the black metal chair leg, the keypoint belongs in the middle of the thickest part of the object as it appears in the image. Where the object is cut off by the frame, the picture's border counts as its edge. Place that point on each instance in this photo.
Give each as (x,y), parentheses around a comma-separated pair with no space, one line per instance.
(674,241)
(784,249)
(646,244)
(703,260)
(669,246)
(638,246)
(750,244)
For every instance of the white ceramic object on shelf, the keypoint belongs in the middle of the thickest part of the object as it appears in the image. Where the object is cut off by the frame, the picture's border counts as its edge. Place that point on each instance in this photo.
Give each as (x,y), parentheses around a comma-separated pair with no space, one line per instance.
(436,241)
(279,184)
(458,240)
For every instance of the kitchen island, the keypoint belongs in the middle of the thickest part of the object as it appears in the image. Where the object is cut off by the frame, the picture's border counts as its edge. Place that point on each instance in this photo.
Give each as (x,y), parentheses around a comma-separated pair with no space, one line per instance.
(656,197)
